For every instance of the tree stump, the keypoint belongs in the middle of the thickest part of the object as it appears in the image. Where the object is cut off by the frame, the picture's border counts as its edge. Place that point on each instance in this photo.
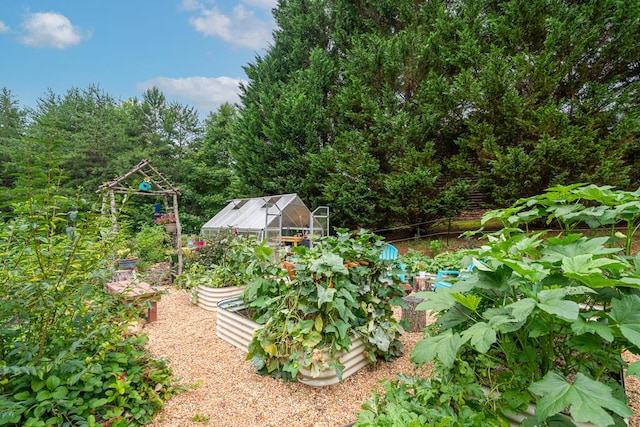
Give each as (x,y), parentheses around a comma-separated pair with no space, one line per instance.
(417,318)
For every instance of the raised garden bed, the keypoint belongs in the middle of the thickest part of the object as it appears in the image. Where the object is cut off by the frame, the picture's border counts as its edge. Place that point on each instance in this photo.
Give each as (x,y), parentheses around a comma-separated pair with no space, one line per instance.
(236,328)
(208,298)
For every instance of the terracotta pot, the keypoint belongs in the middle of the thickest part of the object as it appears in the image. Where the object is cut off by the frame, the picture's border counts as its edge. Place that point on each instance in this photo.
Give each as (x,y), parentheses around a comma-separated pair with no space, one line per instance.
(290,268)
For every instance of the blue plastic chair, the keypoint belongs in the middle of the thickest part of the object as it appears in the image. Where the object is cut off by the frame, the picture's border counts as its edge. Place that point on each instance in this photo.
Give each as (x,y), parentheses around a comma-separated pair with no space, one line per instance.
(442,284)
(442,273)
(391,253)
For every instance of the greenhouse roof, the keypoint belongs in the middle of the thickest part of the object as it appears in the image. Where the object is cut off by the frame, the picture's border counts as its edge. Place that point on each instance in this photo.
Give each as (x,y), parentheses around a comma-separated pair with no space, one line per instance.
(250,215)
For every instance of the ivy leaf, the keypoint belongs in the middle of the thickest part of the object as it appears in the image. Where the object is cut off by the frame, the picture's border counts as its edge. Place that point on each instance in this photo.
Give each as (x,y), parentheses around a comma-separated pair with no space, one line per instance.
(587,399)
(325,294)
(312,339)
(380,339)
(318,323)
(443,346)
(342,328)
(344,313)
(626,313)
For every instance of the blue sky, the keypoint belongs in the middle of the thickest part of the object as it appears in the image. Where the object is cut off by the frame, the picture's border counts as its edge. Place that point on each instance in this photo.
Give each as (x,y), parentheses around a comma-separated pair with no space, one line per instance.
(192,50)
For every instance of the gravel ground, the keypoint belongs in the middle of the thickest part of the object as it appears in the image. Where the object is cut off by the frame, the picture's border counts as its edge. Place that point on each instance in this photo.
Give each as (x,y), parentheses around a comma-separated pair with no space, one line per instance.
(224,390)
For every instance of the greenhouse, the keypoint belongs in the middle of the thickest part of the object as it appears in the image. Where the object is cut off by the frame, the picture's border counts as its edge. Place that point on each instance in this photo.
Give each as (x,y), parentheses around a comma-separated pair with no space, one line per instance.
(282,219)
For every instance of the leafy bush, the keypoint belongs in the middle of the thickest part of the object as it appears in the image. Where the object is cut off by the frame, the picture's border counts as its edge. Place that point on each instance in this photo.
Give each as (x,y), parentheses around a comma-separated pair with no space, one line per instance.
(213,252)
(417,261)
(234,257)
(541,320)
(152,243)
(416,402)
(65,356)
(341,290)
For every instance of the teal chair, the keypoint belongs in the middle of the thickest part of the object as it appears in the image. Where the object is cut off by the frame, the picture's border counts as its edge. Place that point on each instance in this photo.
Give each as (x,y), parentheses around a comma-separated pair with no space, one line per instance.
(441,273)
(391,253)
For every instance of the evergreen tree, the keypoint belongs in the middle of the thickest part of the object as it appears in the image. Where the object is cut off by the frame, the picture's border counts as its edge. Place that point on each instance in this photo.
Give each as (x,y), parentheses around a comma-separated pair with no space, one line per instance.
(12,128)
(396,107)
(207,180)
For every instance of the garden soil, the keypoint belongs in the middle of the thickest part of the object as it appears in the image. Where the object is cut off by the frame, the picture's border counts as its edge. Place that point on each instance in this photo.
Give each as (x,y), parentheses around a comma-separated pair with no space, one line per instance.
(223,389)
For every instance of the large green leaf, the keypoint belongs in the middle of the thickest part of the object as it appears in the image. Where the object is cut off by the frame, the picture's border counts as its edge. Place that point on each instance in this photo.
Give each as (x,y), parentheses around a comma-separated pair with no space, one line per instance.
(602,329)
(328,263)
(380,339)
(438,301)
(587,400)
(597,281)
(551,301)
(633,369)
(521,309)
(585,264)
(444,347)
(481,335)
(567,249)
(470,301)
(626,313)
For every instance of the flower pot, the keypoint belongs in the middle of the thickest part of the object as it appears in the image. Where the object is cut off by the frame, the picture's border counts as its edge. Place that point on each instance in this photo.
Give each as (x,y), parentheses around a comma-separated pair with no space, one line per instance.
(171,227)
(290,267)
(126,264)
(208,298)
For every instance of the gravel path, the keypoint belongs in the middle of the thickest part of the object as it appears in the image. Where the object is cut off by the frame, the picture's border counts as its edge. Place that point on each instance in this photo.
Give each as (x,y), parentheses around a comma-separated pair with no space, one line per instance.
(224,390)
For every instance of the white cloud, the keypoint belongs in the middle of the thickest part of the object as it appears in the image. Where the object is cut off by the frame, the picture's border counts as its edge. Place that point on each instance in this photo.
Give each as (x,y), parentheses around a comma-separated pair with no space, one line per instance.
(190,5)
(264,4)
(204,93)
(51,30)
(241,27)
(4,28)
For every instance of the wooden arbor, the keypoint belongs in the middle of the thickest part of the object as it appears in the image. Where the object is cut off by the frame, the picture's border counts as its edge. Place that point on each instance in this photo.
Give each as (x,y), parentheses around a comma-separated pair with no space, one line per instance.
(153,183)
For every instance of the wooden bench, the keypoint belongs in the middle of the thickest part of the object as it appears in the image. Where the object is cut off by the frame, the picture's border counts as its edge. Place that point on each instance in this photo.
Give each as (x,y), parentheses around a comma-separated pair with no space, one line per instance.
(133,291)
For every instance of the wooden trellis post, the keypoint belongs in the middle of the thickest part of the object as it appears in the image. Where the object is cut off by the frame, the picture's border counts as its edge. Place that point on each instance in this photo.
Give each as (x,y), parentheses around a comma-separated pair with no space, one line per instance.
(160,186)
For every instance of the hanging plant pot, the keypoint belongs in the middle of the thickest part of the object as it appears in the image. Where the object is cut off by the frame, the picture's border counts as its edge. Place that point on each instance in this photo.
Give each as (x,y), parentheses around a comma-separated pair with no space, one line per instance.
(171,227)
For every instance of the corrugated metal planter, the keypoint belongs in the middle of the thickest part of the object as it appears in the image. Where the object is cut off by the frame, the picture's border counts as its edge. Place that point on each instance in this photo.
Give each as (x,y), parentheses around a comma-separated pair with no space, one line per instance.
(238,331)
(353,361)
(208,298)
(232,327)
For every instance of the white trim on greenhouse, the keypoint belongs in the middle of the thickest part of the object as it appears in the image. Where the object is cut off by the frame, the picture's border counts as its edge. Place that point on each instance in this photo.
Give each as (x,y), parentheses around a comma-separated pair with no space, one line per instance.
(270,217)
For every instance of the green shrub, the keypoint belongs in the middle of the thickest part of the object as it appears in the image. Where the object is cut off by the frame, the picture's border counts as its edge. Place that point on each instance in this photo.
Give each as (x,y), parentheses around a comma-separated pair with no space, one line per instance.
(65,356)
(341,290)
(152,244)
